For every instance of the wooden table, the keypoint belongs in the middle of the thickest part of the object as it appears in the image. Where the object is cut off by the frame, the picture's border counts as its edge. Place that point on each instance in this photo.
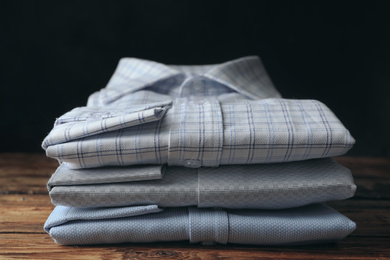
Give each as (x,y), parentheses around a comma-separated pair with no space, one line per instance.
(25,206)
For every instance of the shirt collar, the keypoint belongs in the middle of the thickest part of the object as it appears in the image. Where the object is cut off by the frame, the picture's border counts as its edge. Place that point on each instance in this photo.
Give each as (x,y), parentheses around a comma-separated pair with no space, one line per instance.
(246,75)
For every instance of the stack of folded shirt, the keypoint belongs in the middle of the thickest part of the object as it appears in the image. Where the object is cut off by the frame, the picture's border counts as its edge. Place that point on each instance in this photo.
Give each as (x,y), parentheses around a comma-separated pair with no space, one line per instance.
(207,153)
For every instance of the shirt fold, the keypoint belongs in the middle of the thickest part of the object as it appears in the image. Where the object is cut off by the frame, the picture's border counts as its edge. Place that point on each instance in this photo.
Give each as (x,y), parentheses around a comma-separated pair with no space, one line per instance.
(194,116)
(314,223)
(268,186)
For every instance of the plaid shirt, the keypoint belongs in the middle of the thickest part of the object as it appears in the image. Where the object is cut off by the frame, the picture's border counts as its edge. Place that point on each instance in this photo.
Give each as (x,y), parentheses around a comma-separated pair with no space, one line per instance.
(209,115)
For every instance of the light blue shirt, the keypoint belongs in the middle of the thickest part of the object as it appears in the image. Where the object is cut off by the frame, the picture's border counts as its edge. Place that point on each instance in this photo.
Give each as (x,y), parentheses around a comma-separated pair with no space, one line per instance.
(310,224)
(193,116)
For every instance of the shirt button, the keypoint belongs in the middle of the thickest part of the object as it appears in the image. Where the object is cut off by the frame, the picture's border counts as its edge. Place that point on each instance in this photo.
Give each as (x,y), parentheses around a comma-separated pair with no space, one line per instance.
(98,115)
(192,163)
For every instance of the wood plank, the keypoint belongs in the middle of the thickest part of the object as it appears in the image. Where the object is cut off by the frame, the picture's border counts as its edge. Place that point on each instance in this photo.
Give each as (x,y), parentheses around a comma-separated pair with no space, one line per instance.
(368,188)
(23,213)
(370,222)
(37,246)
(33,164)
(359,204)
(23,185)
(27,164)
(20,164)
(372,176)
(29,213)
(366,167)
(23,219)
(23,200)
(25,173)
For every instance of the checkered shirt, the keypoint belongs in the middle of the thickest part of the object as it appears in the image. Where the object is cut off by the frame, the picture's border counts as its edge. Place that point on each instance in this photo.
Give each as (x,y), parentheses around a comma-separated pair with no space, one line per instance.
(193,116)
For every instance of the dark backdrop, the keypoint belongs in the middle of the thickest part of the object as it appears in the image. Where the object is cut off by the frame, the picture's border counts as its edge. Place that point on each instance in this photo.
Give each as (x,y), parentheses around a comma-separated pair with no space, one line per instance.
(55,53)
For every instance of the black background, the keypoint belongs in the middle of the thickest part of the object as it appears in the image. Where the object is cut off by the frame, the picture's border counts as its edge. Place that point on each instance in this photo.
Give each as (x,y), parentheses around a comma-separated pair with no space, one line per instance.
(55,53)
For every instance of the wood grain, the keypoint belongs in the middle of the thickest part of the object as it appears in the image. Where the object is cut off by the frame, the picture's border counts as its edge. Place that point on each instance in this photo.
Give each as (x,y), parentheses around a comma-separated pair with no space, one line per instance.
(25,206)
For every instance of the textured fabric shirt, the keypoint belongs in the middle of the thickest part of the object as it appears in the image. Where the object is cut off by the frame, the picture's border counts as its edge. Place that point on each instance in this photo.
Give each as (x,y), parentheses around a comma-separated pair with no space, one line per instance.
(262,186)
(193,116)
(311,224)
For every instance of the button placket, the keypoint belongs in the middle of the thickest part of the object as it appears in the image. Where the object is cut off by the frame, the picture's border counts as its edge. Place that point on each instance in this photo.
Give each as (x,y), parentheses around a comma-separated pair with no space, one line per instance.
(208,225)
(196,133)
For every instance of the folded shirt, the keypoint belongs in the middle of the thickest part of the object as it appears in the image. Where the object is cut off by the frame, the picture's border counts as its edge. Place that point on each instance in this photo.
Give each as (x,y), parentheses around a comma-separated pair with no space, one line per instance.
(266,186)
(311,224)
(194,116)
